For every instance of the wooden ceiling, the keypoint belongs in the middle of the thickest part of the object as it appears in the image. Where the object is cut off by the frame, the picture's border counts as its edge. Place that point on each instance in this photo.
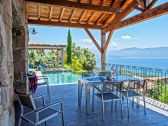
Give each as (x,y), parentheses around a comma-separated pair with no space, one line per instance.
(77,13)
(94,14)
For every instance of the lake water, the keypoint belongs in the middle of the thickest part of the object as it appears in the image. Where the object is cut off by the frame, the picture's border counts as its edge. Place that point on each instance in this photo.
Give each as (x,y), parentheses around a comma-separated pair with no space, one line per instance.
(161,62)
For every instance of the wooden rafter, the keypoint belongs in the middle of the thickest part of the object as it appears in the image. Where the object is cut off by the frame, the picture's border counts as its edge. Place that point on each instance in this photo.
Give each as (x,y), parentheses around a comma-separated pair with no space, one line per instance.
(81,17)
(99,19)
(51,10)
(62,24)
(151,4)
(109,18)
(91,17)
(70,19)
(102,2)
(38,11)
(108,41)
(127,10)
(76,5)
(147,15)
(93,39)
(62,13)
(141,3)
(116,3)
(112,1)
(139,8)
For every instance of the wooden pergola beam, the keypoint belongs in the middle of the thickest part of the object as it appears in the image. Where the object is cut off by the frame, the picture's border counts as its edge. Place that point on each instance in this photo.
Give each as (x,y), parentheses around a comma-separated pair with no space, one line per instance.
(93,39)
(115,18)
(151,4)
(108,41)
(76,5)
(147,15)
(62,24)
(141,3)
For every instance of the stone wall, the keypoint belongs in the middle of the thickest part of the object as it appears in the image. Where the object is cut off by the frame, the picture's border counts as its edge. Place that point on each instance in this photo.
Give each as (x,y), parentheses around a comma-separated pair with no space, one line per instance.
(12,16)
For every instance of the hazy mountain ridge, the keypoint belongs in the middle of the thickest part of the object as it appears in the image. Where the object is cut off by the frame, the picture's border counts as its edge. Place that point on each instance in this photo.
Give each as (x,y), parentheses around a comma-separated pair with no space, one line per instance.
(140,52)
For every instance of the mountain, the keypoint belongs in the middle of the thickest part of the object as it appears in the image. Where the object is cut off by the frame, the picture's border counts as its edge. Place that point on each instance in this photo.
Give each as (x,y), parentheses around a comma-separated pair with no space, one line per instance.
(140,52)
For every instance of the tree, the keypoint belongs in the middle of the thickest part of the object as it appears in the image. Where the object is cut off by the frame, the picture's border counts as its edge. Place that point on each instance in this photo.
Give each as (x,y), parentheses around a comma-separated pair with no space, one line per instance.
(69,48)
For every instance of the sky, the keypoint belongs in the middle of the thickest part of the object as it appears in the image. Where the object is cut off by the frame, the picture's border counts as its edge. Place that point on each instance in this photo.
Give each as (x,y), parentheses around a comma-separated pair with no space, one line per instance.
(148,34)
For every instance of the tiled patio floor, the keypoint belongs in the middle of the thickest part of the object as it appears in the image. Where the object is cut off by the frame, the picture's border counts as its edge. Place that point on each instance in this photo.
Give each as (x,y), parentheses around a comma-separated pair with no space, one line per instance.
(75,116)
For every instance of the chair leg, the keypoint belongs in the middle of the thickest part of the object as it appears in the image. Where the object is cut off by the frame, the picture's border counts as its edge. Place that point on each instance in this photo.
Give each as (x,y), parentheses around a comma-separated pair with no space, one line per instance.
(111,106)
(93,100)
(102,111)
(144,105)
(128,106)
(62,114)
(45,123)
(48,91)
(132,102)
(121,104)
(19,122)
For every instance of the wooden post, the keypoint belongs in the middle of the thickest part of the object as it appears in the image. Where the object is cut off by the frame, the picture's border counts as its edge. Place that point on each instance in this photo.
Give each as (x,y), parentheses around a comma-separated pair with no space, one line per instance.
(103,52)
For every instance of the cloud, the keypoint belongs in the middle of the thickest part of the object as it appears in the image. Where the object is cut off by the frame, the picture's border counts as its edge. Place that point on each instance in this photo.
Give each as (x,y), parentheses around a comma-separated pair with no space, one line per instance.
(114,44)
(126,37)
(86,40)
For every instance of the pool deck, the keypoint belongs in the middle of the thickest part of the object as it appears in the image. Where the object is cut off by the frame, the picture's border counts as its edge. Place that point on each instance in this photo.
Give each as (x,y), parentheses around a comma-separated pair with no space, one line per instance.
(75,115)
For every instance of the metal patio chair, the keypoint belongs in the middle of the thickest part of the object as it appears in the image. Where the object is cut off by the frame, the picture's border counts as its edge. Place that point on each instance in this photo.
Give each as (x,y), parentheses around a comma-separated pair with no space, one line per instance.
(39,115)
(107,93)
(83,74)
(43,81)
(130,90)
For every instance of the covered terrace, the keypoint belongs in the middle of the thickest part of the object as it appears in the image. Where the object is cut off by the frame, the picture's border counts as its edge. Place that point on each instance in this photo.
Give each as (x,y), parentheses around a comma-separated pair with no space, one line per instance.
(104,15)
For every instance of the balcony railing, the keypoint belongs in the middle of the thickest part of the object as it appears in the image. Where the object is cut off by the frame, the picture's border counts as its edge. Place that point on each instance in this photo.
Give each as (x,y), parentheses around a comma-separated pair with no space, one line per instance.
(157,86)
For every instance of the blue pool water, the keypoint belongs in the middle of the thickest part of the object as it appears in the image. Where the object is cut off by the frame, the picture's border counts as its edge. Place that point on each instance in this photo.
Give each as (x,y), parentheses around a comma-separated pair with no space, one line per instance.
(62,77)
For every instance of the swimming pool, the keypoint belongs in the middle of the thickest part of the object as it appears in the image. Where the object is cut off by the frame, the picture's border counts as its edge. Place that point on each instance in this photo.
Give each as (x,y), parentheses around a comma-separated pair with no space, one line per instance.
(62,77)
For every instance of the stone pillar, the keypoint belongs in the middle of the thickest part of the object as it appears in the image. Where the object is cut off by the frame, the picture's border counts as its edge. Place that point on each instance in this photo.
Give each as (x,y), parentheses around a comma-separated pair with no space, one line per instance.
(62,58)
(6,65)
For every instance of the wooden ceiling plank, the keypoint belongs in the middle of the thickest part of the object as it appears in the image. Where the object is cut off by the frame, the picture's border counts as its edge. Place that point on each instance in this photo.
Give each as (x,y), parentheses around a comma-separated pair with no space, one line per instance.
(109,18)
(101,17)
(76,5)
(151,4)
(51,11)
(62,24)
(147,15)
(91,17)
(38,11)
(62,13)
(81,17)
(70,19)
(93,39)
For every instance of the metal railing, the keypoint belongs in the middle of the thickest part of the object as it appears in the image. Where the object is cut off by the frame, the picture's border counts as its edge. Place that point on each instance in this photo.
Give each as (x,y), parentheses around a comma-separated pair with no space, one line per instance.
(157,86)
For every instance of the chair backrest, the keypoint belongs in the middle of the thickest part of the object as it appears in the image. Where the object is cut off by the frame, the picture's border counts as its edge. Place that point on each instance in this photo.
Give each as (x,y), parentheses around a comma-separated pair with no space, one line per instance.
(103,73)
(26,100)
(87,74)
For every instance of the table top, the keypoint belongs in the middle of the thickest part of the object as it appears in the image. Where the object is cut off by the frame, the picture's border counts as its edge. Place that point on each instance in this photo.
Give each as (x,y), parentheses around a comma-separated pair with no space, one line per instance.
(101,79)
